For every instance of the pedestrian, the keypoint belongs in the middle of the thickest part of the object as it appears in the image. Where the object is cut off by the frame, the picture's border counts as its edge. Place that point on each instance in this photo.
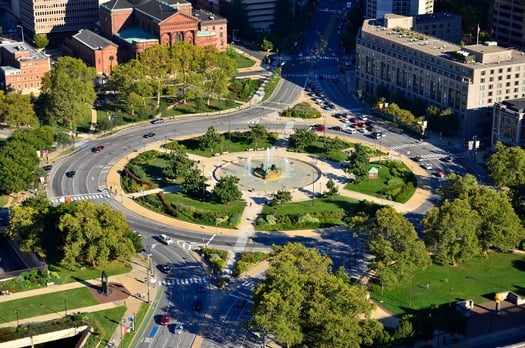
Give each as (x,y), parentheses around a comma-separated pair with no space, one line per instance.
(250,204)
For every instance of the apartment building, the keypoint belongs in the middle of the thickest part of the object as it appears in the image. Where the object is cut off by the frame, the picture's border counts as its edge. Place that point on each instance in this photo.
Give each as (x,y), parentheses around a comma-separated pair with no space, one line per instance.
(378,8)
(56,16)
(469,79)
(508,125)
(508,22)
(22,68)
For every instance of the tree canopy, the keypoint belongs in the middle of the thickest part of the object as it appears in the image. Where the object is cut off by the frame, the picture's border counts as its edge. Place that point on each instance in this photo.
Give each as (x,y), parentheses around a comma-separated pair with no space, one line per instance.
(302,303)
(226,190)
(68,92)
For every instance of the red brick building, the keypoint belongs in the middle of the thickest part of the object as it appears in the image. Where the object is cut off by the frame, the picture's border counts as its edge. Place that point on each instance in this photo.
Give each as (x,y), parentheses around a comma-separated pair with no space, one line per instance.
(136,27)
(22,68)
(94,50)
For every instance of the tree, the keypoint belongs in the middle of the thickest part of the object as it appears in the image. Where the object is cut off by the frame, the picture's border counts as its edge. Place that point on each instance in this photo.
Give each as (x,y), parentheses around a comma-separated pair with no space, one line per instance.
(459,187)
(450,231)
(358,162)
(18,165)
(41,40)
(441,120)
(302,137)
(303,304)
(219,69)
(500,227)
(258,135)
(130,81)
(282,196)
(194,184)
(187,61)
(396,248)
(210,139)
(94,235)
(507,166)
(332,188)
(68,92)
(158,66)
(17,110)
(178,163)
(226,190)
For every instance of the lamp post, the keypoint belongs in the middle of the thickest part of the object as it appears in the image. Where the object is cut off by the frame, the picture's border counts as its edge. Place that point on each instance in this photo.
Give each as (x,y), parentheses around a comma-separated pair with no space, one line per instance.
(233,36)
(17,321)
(22,31)
(65,307)
(450,296)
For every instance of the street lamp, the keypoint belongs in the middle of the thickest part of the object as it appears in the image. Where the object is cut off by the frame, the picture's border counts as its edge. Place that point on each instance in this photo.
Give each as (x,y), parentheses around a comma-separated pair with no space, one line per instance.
(17,321)
(22,31)
(65,307)
(450,296)
(233,35)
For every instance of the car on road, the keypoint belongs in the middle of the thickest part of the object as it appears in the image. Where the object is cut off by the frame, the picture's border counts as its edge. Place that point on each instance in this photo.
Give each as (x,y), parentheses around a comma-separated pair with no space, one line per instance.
(166,268)
(427,165)
(97,149)
(438,175)
(165,239)
(418,158)
(377,135)
(165,319)
(196,305)
(178,328)
(447,159)
(157,121)
(149,135)
(336,128)
(71,173)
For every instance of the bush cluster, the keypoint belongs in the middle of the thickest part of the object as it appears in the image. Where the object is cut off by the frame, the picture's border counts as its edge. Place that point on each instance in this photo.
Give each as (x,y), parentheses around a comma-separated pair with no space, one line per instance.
(248,260)
(319,219)
(301,110)
(216,258)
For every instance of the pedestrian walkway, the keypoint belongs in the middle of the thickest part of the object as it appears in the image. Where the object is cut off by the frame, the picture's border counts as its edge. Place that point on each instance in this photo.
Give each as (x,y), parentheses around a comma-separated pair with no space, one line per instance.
(133,282)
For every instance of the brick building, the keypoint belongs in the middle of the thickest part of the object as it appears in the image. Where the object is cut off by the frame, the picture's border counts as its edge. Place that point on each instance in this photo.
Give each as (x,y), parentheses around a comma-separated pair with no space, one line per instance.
(94,50)
(22,68)
(137,27)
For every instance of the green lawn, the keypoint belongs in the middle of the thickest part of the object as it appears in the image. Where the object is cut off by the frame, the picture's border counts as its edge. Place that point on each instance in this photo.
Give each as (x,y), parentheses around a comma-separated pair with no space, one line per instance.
(330,212)
(243,61)
(46,304)
(106,321)
(112,268)
(478,280)
(395,182)
(3,200)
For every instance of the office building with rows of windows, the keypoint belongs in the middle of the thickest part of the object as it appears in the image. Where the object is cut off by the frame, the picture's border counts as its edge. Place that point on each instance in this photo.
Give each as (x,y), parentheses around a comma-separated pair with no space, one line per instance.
(508,22)
(469,79)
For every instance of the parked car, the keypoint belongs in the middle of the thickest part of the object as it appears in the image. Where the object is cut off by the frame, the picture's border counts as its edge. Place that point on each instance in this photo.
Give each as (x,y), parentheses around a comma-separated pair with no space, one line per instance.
(47,168)
(165,319)
(350,130)
(157,121)
(165,239)
(178,328)
(336,128)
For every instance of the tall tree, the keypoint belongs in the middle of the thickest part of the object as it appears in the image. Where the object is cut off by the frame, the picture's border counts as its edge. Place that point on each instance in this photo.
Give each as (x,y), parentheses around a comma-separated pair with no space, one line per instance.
(302,137)
(450,231)
(94,235)
(187,60)
(210,139)
(194,184)
(218,68)
(358,162)
(459,187)
(68,91)
(158,66)
(507,166)
(227,190)
(396,248)
(17,110)
(258,135)
(41,40)
(302,303)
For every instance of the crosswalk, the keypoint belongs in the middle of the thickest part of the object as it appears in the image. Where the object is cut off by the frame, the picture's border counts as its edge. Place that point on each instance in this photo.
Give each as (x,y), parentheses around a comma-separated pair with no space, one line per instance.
(314,57)
(184,281)
(329,76)
(249,284)
(81,197)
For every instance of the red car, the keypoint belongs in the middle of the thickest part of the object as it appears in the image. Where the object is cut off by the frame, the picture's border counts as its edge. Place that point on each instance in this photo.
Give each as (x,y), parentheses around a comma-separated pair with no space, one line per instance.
(97,149)
(318,127)
(165,319)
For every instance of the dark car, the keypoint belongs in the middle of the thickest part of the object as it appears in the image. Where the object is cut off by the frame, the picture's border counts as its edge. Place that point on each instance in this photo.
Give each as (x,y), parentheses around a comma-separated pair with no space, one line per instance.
(447,159)
(149,135)
(157,121)
(71,173)
(97,149)
(196,305)
(336,128)
(47,168)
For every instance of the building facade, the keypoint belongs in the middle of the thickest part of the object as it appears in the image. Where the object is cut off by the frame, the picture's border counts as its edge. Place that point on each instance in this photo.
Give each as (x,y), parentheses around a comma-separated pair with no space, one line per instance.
(22,68)
(55,16)
(378,8)
(508,124)
(469,80)
(508,22)
(137,27)
(94,50)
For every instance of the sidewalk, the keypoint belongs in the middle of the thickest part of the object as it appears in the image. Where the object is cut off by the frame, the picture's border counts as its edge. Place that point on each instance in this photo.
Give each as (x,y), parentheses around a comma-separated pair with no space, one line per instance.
(133,282)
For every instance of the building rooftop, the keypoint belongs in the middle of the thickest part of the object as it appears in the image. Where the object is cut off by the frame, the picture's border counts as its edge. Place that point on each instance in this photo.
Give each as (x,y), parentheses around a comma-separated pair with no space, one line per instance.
(117,4)
(484,54)
(205,15)
(9,70)
(92,40)
(29,52)
(136,34)
(159,11)
(515,104)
